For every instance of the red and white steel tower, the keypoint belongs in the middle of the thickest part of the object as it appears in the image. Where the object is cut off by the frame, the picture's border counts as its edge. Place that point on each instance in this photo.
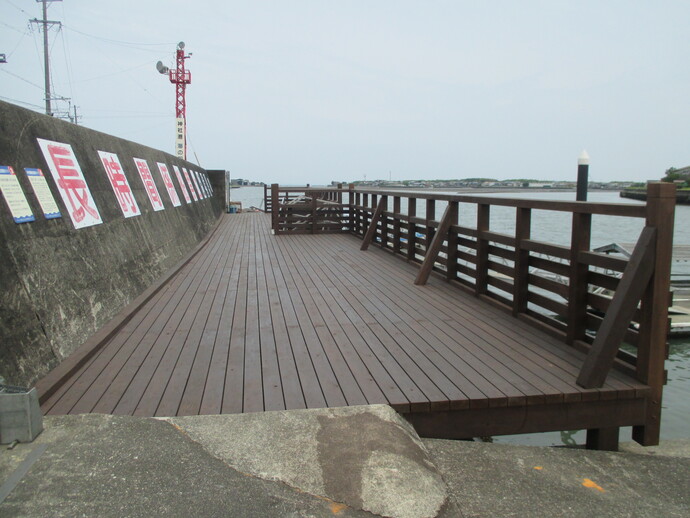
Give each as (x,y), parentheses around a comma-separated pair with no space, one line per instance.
(180,77)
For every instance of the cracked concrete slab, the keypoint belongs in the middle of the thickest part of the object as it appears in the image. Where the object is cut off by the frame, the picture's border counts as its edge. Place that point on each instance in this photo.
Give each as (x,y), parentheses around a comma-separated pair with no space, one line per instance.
(366,457)
(107,466)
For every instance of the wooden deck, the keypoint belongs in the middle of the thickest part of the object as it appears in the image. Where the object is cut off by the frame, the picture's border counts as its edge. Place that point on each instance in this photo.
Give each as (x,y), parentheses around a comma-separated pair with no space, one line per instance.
(259,322)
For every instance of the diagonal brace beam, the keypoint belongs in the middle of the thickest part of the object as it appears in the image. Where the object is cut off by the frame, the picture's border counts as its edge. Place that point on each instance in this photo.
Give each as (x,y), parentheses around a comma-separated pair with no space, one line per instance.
(371,231)
(434,248)
(632,286)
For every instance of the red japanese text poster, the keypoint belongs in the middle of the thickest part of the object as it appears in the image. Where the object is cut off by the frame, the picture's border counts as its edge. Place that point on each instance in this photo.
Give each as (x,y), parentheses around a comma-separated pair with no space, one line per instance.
(169,186)
(182,185)
(116,175)
(189,182)
(71,183)
(149,184)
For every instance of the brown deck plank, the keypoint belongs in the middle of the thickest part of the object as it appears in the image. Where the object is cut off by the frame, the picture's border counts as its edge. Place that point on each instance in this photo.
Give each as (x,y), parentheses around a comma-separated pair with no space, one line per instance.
(192,396)
(366,346)
(460,313)
(312,390)
(253,400)
(399,345)
(288,371)
(338,362)
(260,322)
(84,395)
(212,399)
(505,328)
(343,340)
(153,348)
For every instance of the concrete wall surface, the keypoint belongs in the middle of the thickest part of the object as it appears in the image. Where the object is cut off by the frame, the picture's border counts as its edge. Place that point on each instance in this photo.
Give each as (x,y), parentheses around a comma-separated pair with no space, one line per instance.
(63,277)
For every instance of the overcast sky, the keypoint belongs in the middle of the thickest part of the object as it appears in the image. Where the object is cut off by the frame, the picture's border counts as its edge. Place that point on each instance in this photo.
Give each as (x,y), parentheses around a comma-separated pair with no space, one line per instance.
(297,91)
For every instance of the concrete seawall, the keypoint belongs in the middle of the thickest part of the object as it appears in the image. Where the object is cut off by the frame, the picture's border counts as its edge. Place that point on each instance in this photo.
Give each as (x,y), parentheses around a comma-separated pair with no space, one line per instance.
(64,276)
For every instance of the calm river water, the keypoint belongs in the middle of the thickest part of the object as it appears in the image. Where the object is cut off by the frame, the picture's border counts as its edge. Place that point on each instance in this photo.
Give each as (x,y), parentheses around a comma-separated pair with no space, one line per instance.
(555,227)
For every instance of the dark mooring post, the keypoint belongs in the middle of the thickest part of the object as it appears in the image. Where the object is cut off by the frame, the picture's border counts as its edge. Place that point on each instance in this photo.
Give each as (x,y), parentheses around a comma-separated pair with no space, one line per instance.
(582,176)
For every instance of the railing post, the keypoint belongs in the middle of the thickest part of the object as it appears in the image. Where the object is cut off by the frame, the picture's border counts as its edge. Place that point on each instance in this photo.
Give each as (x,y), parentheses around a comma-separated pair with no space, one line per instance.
(265,198)
(482,266)
(523,224)
(358,213)
(396,224)
(652,350)
(384,223)
(411,228)
(275,207)
(339,194)
(577,290)
(374,204)
(452,256)
(430,216)
(314,200)
(351,206)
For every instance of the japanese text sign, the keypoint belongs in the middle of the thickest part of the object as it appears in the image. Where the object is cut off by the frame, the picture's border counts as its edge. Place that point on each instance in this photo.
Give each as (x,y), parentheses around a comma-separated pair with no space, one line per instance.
(118,180)
(169,186)
(149,184)
(189,182)
(42,191)
(71,183)
(182,185)
(14,196)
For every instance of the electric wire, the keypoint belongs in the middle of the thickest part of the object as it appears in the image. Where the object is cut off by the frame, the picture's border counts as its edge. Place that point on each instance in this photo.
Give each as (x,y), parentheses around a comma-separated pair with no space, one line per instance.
(17,7)
(21,102)
(21,78)
(21,38)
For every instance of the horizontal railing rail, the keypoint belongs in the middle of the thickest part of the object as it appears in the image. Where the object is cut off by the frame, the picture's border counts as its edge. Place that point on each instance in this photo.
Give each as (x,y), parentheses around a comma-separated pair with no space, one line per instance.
(566,288)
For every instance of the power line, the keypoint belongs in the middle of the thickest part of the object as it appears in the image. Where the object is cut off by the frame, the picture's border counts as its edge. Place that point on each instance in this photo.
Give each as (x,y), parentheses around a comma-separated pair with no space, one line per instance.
(21,102)
(10,27)
(118,42)
(16,7)
(20,77)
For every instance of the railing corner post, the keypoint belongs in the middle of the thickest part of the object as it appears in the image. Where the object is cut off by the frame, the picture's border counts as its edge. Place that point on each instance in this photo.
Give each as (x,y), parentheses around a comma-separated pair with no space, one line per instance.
(651,356)
(275,207)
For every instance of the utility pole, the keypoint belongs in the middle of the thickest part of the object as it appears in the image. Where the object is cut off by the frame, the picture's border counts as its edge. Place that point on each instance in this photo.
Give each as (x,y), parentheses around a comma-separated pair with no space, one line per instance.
(46,57)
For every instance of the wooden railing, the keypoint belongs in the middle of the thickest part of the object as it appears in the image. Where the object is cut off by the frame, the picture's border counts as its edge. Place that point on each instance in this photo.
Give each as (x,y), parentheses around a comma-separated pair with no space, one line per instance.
(307,210)
(589,299)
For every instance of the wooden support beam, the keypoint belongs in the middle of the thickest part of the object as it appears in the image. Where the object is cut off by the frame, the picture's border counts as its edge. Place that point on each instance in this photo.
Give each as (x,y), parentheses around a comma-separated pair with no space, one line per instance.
(275,207)
(411,228)
(396,225)
(630,290)
(604,439)
(434,248)
(523,226)
(482,275)
(371,231)
(652,347)
(577,291)
(452,261)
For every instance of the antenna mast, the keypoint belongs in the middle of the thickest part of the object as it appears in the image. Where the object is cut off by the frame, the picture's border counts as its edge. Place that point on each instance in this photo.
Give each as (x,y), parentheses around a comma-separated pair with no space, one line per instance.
(180,77)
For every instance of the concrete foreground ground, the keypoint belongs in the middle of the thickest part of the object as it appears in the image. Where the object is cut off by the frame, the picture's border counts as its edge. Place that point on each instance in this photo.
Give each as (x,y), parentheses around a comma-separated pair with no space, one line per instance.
(346,462)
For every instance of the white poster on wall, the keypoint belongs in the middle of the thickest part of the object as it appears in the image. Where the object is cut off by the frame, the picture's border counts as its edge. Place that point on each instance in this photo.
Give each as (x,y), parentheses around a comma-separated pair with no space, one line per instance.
(189,183)
(169,186)
(118,180)
(71,183)
(182,185)
(196,183)
(149,184)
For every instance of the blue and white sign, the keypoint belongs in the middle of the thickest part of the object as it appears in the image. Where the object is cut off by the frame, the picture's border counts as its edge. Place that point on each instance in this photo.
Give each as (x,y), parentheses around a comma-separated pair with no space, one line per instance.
(42,191)
(14,196)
